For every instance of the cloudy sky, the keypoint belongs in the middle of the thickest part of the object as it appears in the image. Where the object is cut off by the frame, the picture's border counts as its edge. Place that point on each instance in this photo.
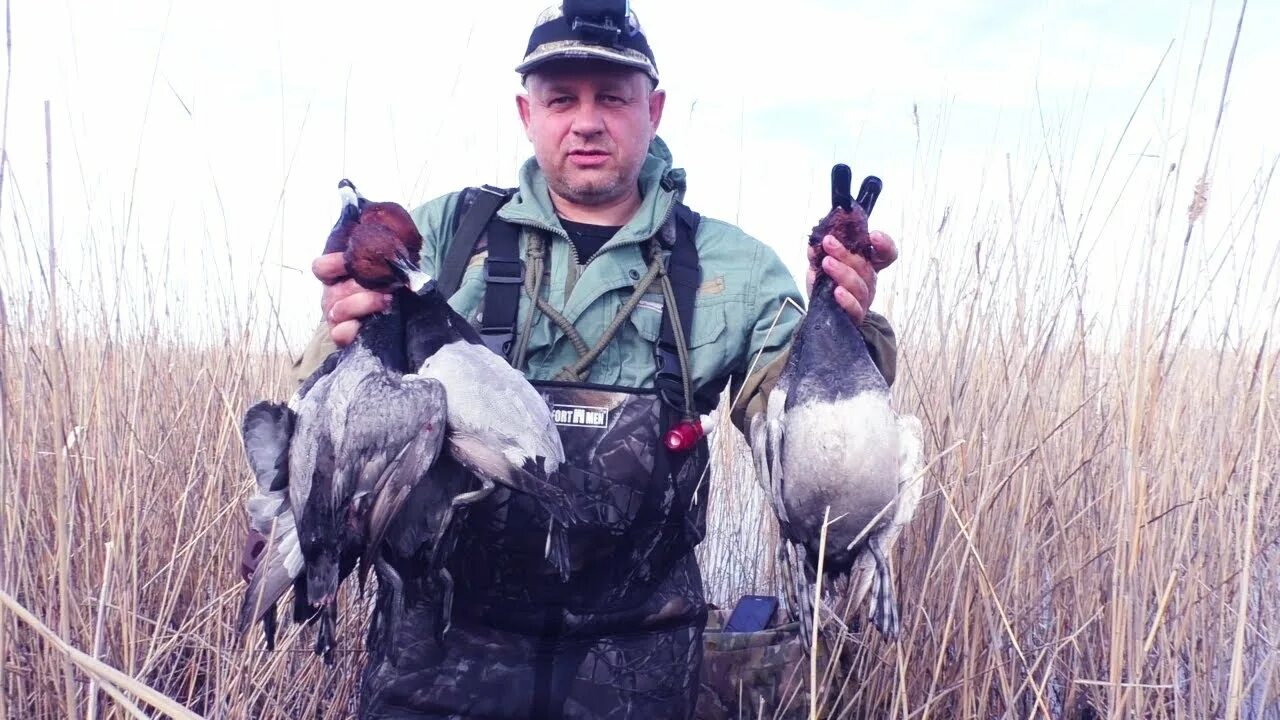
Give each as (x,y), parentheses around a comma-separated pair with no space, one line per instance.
(186,132)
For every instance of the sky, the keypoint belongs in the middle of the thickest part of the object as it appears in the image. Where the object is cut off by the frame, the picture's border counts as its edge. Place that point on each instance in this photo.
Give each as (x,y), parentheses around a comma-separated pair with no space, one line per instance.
(202,142)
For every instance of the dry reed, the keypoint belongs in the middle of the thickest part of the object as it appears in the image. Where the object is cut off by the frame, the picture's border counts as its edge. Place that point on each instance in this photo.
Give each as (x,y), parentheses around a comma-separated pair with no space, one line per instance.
(1102,539)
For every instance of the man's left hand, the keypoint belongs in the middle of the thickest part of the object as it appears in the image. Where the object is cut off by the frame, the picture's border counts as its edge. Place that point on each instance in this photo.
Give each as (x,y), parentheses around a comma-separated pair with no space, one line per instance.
(854,274)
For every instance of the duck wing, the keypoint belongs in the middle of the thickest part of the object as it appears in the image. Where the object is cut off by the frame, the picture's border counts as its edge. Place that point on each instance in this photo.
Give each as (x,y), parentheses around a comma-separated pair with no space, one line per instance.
(500,427)
(277,570)
(267,431)
(911,472)
(766,434)
(394,435)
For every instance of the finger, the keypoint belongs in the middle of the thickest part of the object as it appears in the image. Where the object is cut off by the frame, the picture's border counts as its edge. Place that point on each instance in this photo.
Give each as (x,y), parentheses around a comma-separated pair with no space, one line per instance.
(335,292)
(838,251)
(358,305)
(329,268)
(810,276)
(886,251)
(851,278)
(851,305)
(344,332)
(864,267)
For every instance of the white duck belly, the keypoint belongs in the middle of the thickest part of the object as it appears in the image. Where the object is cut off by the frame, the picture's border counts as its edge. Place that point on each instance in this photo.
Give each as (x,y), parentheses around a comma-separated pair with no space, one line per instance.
(844,455)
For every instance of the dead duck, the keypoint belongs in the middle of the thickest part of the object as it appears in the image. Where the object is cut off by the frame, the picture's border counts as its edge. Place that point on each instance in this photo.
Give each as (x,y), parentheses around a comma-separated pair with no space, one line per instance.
(499,427)
(335,466)
(830,441)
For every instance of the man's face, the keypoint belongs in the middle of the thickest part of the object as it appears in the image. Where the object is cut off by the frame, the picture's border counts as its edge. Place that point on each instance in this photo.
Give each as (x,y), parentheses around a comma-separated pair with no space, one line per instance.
(590,124)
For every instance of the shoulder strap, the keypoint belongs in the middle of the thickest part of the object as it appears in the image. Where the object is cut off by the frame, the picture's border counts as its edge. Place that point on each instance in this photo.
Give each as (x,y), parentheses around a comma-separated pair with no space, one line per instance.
(686,276)
(503,277)
(475,208)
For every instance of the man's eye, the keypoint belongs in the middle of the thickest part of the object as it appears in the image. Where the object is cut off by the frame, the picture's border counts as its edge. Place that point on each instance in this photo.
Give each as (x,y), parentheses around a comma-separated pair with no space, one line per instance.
(614,100)
(561,100)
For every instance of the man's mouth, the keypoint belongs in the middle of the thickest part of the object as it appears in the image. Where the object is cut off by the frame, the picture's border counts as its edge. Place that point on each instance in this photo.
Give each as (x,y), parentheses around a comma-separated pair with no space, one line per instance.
(588,158)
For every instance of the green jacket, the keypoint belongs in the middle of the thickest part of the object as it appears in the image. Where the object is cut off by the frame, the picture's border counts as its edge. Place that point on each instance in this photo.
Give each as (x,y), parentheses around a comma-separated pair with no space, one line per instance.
(742,308)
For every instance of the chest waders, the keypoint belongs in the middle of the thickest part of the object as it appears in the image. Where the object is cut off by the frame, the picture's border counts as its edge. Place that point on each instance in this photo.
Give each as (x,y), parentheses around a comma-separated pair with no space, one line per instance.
(623,637)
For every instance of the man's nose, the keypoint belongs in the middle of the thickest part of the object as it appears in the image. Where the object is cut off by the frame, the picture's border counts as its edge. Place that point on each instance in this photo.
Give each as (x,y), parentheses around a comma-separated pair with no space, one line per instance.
(588,120)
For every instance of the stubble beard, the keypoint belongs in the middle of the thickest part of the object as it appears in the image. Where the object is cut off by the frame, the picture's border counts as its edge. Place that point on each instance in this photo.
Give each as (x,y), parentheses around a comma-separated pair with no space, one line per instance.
(593,188)
(588,193)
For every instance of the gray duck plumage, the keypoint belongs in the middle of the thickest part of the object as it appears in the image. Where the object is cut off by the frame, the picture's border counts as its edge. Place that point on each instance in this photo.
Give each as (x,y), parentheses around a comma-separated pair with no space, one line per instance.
(500,428)
(334,467)
(830,442)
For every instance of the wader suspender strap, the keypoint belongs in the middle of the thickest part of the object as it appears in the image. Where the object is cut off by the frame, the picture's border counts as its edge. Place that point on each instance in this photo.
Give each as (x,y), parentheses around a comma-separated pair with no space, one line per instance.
(686,276)
(476,207)
(503,276)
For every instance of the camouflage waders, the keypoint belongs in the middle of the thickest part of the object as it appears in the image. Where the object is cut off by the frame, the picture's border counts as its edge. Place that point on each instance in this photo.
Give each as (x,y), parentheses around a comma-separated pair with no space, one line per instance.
(621,639)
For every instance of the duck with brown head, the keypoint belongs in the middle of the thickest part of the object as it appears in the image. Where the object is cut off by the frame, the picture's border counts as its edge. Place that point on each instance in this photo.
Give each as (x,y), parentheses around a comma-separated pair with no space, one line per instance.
(500,428)
(830,443)
(349,448)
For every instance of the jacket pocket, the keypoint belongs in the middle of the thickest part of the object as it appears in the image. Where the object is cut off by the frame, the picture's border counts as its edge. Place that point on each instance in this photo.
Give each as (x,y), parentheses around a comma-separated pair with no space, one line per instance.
(707,343)
(469,298)
(708,322)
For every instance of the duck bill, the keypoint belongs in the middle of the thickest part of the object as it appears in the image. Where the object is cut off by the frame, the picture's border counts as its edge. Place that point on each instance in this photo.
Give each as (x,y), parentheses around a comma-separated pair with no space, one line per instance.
(418,281)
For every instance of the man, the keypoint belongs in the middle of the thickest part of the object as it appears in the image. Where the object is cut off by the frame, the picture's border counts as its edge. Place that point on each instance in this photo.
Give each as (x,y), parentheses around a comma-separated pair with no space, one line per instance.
(596,220)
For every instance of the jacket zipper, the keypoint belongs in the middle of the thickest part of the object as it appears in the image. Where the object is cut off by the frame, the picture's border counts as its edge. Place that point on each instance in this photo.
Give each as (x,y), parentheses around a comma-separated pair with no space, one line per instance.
(571,278)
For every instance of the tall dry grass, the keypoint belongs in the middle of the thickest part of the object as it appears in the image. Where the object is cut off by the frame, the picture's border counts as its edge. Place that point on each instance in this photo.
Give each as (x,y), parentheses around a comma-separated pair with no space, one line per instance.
(1099,536)
(1102,541)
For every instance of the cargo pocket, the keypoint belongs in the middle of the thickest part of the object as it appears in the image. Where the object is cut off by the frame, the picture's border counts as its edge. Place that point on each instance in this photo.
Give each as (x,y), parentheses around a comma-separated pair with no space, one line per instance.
(746,673)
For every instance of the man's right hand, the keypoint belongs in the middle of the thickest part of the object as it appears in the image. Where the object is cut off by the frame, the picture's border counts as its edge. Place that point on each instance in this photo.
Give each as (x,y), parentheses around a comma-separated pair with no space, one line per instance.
(344,302)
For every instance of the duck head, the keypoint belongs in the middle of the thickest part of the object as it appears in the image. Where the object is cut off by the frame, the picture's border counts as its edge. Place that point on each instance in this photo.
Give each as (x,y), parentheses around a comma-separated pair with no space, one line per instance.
(849,227)
(383,249)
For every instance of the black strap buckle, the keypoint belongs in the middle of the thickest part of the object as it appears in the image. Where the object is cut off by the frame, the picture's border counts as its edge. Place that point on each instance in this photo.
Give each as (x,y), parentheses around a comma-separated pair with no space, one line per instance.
(503,271)
(668,377)
(498,340)
(603,33)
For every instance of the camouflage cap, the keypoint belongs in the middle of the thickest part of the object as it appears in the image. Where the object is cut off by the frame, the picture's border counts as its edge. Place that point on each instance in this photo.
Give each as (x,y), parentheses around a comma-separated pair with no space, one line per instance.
(587,30)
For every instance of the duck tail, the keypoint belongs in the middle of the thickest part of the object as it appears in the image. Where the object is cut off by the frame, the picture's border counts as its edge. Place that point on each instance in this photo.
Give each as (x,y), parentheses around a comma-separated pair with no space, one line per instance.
(266,586)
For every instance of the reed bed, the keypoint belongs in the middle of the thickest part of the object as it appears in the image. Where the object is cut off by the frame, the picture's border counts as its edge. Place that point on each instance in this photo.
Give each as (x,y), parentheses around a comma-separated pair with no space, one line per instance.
(1100,534)
(1101,539)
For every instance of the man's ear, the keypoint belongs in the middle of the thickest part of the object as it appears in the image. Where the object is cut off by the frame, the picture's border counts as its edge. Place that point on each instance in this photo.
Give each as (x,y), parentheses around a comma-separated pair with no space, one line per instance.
(657,101)
(524,108)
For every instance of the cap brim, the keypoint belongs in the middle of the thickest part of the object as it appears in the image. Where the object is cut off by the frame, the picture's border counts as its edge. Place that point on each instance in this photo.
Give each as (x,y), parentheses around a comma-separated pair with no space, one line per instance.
(579,51)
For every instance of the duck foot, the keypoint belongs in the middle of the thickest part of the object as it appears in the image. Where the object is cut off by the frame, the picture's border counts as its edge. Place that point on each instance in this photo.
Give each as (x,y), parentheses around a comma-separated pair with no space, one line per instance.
(884,607)
(446,605)
(270,626)
(445,537)
(327,635)
(388,575)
